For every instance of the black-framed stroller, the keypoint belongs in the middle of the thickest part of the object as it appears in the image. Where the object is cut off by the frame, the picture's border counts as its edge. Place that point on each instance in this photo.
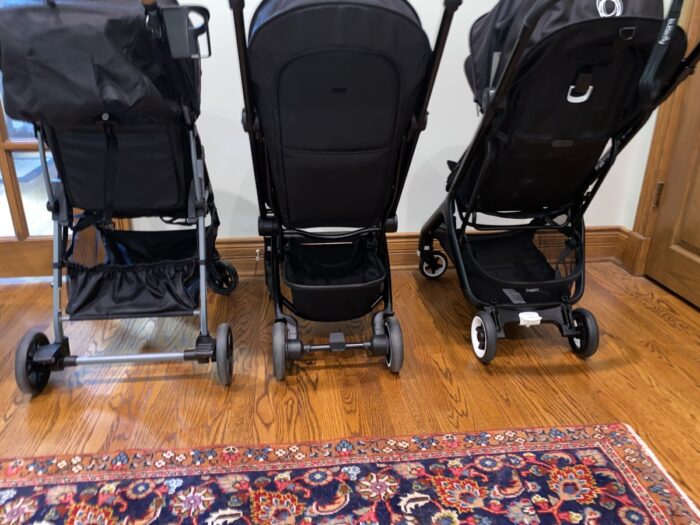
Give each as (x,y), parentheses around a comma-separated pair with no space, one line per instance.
(113,90)
(564,85)
(336,96)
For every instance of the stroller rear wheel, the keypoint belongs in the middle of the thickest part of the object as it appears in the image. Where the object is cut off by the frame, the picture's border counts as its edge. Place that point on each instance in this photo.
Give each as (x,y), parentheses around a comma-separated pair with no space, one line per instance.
(279,349)
(484,337)
(31,378)
(224,354)
(394,356)
(437,269)
(586,343)
(227,280)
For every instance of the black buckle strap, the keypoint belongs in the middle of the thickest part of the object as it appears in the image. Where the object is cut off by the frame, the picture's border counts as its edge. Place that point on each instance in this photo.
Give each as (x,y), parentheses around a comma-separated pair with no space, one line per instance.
(109,128)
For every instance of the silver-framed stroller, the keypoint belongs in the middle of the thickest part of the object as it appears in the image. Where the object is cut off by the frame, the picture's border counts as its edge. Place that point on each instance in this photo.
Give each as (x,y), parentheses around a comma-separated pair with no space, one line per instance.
(564,86)
(113,90)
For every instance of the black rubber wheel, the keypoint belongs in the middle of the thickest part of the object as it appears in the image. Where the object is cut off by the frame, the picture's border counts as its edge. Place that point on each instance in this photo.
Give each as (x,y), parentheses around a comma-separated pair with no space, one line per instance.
(585,344)
(227,280)
(430,273)
(394,357)
(224,354)
(279,349)
(484,335)
(31,379)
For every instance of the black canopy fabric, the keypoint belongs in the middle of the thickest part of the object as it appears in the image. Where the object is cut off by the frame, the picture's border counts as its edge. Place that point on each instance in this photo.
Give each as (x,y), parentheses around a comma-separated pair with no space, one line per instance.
(67,64)
(269,9)
(336,84)
(495,34)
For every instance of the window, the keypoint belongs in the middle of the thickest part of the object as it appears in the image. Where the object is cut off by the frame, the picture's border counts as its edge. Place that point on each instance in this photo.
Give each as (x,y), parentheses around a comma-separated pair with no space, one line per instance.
(23,211)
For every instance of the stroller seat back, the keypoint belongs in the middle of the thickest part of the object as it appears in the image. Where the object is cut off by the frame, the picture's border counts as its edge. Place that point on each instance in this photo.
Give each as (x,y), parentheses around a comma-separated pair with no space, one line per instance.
(152,167)
(336,86)
(576,87)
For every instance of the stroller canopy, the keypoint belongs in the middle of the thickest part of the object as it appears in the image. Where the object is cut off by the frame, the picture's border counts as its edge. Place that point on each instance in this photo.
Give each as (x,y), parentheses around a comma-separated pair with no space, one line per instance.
(71,62)
(336,84)
(495,34)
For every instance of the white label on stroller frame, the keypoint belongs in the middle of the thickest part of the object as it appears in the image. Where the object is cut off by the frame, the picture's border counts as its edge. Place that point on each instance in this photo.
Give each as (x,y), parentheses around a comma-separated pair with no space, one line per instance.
(605,12)
(514,296)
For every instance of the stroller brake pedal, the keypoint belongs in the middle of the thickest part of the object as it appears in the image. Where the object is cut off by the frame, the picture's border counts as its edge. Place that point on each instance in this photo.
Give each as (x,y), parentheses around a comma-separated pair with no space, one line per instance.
(530,319)
(337,342)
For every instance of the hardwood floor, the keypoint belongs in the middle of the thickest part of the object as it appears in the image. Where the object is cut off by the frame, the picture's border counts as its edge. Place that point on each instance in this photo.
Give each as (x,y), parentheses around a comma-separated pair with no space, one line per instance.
(645,374)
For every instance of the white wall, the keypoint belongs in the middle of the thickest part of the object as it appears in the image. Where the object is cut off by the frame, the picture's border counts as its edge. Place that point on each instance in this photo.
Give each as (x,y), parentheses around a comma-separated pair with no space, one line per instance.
(452,123)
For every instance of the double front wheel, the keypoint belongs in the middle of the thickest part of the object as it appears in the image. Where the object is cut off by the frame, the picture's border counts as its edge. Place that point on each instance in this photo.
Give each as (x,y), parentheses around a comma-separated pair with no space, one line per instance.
(392,349)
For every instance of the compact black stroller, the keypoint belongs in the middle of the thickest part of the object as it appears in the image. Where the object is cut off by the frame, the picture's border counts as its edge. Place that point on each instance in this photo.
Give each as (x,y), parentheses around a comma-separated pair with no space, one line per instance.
(336,95)
(564,85)
(113,89)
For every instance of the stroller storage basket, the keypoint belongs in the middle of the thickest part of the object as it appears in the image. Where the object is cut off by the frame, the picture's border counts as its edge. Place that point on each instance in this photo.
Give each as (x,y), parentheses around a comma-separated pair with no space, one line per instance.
(522,267)
(145,274)
(334,281)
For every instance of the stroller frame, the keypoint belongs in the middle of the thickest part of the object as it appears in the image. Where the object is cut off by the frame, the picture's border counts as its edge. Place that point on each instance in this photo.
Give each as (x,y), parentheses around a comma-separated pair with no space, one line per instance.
(36,357)
(387,338)
(449,222)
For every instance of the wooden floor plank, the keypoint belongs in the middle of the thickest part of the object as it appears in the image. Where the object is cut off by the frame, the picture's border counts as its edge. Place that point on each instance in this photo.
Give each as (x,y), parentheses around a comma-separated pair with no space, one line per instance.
(645,374)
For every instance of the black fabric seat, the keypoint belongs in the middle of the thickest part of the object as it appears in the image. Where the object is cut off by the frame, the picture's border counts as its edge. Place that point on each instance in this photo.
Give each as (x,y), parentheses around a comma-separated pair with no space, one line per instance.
(336,86)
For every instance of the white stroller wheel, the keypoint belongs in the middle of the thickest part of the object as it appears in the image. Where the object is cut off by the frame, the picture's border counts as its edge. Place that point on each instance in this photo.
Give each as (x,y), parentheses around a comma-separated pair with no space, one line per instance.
(438,272)
(484,335)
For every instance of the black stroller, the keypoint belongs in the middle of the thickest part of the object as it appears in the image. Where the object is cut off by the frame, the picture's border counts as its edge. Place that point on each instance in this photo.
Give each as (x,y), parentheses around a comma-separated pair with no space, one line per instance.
(113,89)
(336,95)
(564,85)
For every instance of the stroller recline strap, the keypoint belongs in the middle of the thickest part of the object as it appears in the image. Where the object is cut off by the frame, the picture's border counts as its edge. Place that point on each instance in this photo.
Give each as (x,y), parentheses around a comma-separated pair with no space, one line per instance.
(110,177)
(649,81)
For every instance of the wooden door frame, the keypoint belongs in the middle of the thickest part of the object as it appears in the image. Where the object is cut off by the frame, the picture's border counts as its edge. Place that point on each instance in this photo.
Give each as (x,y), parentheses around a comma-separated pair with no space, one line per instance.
(665,135)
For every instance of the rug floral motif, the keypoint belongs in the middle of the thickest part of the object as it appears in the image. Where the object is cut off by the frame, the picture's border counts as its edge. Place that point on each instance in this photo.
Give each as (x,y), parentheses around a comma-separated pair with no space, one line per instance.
(590,475)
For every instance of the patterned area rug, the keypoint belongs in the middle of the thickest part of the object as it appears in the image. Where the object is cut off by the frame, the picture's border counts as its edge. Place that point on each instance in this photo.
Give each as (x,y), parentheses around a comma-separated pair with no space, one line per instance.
(580,475)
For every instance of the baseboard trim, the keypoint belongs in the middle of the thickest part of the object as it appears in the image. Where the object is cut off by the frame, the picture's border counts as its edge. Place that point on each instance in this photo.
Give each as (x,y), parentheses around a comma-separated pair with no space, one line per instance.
(604,243)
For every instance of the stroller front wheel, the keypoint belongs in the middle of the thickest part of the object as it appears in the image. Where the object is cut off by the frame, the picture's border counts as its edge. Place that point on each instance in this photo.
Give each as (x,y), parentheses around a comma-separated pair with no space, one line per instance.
(484,335)
(437,269)
(279,349)
(227,280)
(394,356)
(586,343)
(31,378)
(224,354)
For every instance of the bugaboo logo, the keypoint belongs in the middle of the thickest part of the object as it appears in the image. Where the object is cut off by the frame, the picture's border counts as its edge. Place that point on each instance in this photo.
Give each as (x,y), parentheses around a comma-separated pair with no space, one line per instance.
(668,31)
(610,8)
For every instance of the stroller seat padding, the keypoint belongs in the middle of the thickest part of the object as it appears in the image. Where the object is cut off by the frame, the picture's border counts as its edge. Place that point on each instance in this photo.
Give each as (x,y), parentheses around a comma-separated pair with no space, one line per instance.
(336,85)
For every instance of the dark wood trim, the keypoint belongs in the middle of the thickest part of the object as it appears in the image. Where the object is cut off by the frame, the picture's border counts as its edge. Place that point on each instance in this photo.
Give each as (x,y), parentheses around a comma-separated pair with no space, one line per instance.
(28,258)
(604,243)
(32,257)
